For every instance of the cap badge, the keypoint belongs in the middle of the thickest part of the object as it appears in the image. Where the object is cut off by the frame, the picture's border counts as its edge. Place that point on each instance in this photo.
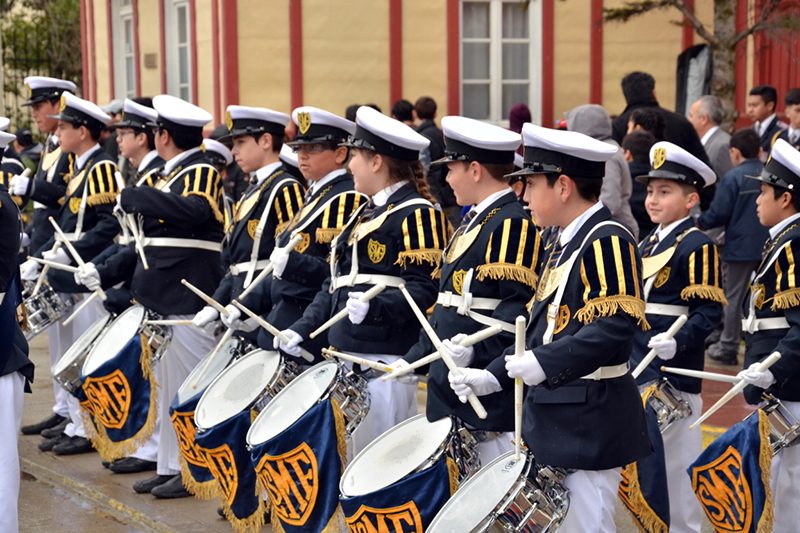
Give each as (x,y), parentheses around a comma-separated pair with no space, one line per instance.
(659,157)
(228,120)
(63,106)
(303,121)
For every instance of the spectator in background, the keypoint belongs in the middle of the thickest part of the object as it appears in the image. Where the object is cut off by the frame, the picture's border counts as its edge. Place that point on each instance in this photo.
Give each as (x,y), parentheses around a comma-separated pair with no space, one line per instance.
(593,120)
(649,120)
(791,134)
(350,112)
(636,148)
(761,107)
(734,209)
(518,115)
(403,110)
(424,115)
(706,115)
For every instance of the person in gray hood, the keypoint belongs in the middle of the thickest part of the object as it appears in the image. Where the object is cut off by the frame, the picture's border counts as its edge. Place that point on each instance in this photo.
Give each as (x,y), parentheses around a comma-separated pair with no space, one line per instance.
(593,120)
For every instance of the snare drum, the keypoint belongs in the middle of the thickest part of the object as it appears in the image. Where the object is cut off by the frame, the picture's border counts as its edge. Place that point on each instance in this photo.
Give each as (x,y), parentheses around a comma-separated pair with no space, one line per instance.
(67,370)
(502,497)
(784,428)
(247,383)
(667,404)
(206,370)
(320,382)
(44,309)
(411,446)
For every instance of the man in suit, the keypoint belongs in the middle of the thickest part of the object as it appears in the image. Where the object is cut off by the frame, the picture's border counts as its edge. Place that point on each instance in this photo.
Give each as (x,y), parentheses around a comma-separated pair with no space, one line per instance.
(791,134)
(706,115)
(761,108)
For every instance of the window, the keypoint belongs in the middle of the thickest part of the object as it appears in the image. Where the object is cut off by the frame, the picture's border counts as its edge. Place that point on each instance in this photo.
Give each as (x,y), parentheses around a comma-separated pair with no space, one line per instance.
(179,53)
(499,58)
(124,50)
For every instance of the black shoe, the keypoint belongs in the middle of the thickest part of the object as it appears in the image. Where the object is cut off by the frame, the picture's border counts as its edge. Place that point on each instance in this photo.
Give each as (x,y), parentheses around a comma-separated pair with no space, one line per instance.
(131,465)
(47,444)
(56,430)
(724,359)
(73,446)
(35,429)
(221,513)
(713,338)
(171,489)
(105,464)
(146,485)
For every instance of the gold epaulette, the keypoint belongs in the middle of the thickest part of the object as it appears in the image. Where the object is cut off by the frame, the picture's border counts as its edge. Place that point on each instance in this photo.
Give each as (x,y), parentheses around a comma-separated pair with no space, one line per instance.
(423,237)
(512,253)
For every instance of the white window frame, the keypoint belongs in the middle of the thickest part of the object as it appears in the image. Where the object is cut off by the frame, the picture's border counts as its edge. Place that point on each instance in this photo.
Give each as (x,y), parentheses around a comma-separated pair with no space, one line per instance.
(123,51)
(534,13)
(176,86)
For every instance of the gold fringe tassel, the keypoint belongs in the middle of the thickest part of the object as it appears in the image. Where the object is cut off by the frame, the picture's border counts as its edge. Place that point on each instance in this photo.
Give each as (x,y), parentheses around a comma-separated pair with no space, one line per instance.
(610,305)
(212,203)
(326,235)
(205,490)
(252,523)
(786,299)
(432,256)
(706,292)
(508,271)
(437,272)
(101,199)
(765,462)
(22,317)
(453,474)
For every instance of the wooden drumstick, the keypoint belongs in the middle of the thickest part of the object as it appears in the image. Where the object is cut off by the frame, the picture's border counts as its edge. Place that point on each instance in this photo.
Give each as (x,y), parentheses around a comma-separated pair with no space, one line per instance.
(169,322)
(519,351)
(725,378)
(205,297)
(137,238)
(736,389)
(469,340)
(225,338)
(473,400)
(367,296)
(673,329)
(358,360)
(53,264)
(267,270)
(74,253)
(275,332)
(80,308)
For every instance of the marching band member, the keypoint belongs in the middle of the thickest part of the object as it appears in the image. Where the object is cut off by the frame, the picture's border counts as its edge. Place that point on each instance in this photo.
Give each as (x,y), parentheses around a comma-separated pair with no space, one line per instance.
(397,238)
(10,165)
(685,280)
(329,203)
(773,319)
(47,188)
(582,410)
(488,276)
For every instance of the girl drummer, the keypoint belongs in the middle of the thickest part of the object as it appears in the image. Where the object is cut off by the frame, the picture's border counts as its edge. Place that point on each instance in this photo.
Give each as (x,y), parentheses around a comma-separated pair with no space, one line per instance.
(397,238)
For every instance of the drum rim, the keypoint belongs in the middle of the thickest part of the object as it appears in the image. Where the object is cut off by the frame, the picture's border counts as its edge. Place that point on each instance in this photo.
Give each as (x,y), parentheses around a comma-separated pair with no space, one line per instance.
(219,376)
(106,320)
(375,442)
(108,330)
(200,364)
(279,395)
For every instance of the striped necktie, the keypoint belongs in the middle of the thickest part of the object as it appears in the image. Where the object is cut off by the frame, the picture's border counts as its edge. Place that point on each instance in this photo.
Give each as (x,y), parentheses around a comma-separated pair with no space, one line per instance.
(651,244)
(555,254)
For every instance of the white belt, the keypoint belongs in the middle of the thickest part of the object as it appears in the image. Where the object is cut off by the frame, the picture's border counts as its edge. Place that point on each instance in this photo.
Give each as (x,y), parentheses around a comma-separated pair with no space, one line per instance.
(751,325)
(665,309)
(171,242)
(608,372)
(37,205)
(2,297)
(351,280)
(449,299)
(241,268)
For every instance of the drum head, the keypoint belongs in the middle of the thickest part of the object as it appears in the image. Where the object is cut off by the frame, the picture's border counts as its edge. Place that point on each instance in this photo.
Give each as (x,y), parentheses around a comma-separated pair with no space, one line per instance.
(205,371)
(82,344)
(292,402)
(114,338)
(479,495)
(236,388)
(394,455)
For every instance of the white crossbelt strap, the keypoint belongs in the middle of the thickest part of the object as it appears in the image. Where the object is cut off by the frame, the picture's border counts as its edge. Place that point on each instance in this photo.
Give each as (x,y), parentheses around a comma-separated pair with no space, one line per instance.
(751,325)
(652,308)
(2,297)
(241,268)
(467,305)
(351,280)
(260,230)
(171,242)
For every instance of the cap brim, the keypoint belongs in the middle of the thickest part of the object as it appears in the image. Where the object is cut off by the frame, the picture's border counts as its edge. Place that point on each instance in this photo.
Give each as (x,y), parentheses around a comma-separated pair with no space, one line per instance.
(444,160)
(65,118)
(523,172)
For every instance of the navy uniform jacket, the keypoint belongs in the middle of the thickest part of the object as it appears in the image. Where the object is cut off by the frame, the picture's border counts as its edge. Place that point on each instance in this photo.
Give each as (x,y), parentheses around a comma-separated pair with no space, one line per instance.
(407,244)
(184,205)
(49,188)
(14,347)
(571,422)
(96,183)
(767,137)
(9,167)
(784,134)
(691,278)
(776,286)
(501,258)
(281,196)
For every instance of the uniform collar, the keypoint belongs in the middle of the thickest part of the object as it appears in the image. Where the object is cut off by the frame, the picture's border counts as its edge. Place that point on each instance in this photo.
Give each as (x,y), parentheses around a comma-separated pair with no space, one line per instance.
(707,135)
(381,197)
(327,178)
(663,232)
(80,160)
(764,124)
(173,163)
(484,204)
(267,171)
(776,230)
(574,227)
(146,160)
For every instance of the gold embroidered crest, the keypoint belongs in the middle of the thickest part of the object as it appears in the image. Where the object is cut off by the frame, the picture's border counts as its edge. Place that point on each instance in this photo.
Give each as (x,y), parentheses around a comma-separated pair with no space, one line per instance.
(662,277)
(183,423)
(303,121)
(228,120)
(252,225)
(292,500)
(74,205)
(723,488)
(376,251)
(659,157)
(404,517)
(305,241)
(759,293)
(562,319)
(109,398)
(222,466)
(458,280)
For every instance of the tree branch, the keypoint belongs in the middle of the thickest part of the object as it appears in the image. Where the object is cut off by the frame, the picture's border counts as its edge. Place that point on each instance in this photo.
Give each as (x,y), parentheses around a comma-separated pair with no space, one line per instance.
(698,26)
(632,9)
(767,10)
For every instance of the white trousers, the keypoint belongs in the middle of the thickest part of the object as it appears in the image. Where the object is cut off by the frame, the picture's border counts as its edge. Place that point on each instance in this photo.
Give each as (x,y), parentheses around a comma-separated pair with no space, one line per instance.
(592,501)
(59,340)
(491,449)
(681,447)
(391,402)
(149,450)
(785,483)
(188,346)
(12,387)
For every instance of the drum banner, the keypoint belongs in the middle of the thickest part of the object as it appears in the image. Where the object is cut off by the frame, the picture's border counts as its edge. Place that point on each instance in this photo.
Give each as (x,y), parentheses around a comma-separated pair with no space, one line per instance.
(225,450)
(119,400)
(300,469)
(731,478)
(643,489)
(197,478)
(406,506)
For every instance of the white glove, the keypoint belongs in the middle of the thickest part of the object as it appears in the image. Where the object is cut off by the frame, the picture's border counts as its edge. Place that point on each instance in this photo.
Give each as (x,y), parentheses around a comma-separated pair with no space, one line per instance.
(664,347)
(205,316)
(292,343)
(399,365)
(231,317)
(24,240)
(279,258)
(29,270)
(752,376)
(19,185)
(356,309)
(59,256)
(526,367)
(88,276)
(462,355)
(477,380)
